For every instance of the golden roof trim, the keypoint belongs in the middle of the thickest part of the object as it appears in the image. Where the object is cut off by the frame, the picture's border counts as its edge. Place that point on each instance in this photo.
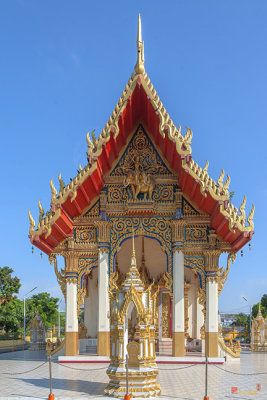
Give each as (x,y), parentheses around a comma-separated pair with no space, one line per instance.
(219,190)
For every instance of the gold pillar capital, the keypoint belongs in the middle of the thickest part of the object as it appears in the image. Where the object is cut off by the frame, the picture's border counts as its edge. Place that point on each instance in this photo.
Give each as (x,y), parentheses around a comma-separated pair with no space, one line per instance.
(178,226)
(70,242)
(103,231)
(212,263)
(71,261)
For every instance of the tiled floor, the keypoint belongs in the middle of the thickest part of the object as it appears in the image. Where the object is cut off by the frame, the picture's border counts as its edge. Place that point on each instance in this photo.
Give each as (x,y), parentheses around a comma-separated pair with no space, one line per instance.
(81,381)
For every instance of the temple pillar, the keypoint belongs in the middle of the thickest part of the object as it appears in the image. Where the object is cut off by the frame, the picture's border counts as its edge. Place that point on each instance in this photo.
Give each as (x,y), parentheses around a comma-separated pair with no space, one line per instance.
(211,324)
(103,304)
(71,324)
(71,329)
(178,342)
(103,333)
(211,335)
(178,335)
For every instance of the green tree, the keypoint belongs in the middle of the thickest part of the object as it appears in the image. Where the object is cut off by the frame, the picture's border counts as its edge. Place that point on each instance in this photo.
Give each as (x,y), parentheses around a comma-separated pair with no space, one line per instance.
(45,305)
(241,319)
(10,306)
(255,308)
(9,286)
(264,301)
(11,318)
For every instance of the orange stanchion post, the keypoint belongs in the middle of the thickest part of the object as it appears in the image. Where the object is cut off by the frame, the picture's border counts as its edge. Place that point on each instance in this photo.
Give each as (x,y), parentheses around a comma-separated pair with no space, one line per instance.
(127,396)
(206,380)
(51,395)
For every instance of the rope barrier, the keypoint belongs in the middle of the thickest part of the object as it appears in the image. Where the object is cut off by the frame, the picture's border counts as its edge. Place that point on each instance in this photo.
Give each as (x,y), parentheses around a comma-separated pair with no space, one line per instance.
(79,369)
(25,372)
(177,369)
(98,369)
(162,369)
(237,373)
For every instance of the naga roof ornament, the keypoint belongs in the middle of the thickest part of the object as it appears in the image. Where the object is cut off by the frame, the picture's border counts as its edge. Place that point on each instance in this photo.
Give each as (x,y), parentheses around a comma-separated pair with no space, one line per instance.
(212,197)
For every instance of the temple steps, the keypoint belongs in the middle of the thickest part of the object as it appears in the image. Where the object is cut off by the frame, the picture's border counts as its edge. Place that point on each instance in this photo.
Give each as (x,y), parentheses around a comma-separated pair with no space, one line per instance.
(165,347)
(91,349)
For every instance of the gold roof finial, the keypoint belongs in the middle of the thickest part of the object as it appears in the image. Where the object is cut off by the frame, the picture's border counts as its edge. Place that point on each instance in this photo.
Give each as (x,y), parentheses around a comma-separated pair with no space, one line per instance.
(140,63)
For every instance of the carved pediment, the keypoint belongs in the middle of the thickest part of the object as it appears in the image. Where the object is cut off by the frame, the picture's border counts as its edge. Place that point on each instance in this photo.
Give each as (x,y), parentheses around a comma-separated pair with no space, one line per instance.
(140,157)
(94,210)
(188,209)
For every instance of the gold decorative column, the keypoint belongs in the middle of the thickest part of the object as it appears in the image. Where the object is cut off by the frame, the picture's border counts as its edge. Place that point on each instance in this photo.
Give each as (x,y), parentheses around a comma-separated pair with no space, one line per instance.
(187,286)
(178,344)
(211,325)
(103,334)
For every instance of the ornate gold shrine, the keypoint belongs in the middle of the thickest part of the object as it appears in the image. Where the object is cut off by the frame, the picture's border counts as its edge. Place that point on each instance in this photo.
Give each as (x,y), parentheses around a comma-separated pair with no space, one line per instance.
(259,332)
(142,367)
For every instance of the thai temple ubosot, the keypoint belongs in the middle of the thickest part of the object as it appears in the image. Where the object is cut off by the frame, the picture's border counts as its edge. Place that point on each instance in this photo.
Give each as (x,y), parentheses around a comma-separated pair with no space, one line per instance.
(140,179)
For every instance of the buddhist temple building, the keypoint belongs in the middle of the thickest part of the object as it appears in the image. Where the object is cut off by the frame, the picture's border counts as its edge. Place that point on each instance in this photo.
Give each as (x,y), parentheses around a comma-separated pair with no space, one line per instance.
(140,176)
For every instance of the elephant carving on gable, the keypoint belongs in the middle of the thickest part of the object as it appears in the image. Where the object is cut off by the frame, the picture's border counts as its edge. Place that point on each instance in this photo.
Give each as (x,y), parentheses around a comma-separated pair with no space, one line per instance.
(140,182)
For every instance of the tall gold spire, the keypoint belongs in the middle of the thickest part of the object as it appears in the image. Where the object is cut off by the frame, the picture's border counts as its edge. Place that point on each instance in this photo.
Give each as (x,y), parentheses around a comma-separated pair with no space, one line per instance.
(140,63)
(133,263)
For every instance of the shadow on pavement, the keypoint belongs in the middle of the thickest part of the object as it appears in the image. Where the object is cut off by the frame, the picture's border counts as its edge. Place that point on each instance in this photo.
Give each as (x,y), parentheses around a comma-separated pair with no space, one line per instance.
(26,355)
(80,386)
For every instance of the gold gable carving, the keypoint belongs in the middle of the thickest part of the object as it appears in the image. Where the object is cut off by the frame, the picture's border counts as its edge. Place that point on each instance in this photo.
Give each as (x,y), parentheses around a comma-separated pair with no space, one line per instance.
(140,157)
(188,209)
(94,210)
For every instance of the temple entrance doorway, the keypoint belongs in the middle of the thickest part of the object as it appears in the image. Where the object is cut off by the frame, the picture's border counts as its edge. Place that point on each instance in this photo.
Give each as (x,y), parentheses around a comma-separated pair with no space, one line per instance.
(152,266)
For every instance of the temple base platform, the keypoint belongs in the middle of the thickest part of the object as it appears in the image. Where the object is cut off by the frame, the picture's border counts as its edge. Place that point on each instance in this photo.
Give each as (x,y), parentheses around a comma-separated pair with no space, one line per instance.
(141,382)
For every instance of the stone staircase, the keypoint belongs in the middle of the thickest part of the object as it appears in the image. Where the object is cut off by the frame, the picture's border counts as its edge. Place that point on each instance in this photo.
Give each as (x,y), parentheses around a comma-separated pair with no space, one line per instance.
(91,349)
(89,346)
(165,347)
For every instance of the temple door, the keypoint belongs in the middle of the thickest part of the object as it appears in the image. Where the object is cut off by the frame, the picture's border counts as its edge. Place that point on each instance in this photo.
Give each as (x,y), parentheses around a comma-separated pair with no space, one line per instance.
(166,315)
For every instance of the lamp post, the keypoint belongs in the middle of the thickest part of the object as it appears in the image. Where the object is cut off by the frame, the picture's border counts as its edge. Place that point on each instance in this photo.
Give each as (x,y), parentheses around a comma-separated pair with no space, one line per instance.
(24,311)
(249,316)
(59,320)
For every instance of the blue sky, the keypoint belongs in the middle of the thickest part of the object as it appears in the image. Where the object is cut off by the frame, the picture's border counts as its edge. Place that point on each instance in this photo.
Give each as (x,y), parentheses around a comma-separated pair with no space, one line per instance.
(63,67)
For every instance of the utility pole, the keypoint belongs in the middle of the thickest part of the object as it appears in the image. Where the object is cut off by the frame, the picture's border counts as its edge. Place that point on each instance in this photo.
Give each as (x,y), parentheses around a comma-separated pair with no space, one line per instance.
(58,333)
(249,317)
(24,311)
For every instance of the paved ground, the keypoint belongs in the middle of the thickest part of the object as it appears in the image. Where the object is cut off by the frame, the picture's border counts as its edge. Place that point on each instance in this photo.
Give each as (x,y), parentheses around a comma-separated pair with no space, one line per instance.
(81,381)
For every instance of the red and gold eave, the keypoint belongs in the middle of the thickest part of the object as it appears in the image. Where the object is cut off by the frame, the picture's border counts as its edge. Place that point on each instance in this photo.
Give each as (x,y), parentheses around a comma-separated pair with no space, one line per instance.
(140,104)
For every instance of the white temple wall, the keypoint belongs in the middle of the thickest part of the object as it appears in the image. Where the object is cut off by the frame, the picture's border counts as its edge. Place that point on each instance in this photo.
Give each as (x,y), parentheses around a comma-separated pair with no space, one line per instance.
(91,307)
